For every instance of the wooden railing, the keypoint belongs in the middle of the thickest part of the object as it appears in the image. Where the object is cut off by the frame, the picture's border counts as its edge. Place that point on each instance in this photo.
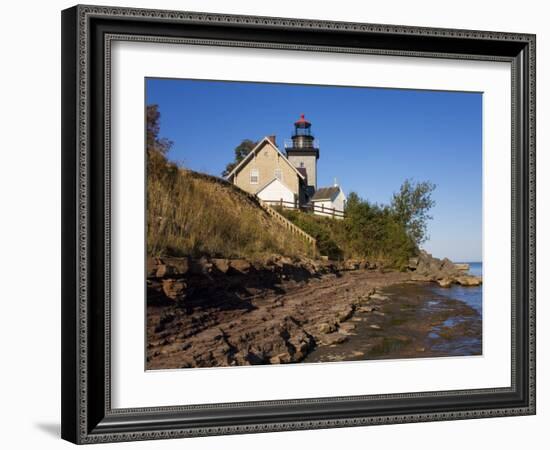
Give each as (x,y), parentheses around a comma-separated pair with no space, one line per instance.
(310,207)
(288,224)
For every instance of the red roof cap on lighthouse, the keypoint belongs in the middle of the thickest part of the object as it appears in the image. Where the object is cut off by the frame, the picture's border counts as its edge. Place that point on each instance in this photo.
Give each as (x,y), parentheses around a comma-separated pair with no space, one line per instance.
(302,122)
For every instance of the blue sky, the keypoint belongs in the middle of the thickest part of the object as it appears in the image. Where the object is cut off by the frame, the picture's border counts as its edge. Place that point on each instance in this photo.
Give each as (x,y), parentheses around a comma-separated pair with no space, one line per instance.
(370,139)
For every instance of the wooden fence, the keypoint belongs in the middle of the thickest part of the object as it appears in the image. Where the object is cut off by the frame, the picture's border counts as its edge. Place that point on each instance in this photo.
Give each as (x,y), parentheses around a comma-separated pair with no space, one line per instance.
(310,207)
(288,224)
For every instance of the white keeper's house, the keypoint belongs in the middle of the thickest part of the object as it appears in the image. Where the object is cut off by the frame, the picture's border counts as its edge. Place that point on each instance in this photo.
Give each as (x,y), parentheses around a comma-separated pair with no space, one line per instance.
(290,178)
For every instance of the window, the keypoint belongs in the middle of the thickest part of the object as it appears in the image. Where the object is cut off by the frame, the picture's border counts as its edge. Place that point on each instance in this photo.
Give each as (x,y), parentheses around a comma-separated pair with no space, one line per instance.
(254,176)
(278,174)
(301,164)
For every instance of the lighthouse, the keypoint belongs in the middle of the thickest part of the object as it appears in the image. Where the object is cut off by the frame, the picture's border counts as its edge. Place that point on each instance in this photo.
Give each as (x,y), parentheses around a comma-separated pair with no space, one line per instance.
(302,151)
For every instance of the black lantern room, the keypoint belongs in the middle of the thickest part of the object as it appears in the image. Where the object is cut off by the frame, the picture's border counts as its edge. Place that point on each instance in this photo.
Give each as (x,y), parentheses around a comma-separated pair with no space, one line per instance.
(302,139)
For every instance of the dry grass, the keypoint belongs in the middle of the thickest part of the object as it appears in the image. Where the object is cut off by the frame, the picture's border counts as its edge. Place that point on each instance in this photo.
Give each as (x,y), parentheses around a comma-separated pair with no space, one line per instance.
(194,214)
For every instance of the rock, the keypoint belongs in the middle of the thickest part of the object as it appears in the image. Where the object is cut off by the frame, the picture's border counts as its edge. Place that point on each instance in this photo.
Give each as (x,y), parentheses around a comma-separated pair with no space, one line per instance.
(152,266)
(418,277)
(240,265)
(376,327)
(200,267)
(346,328)
(345,314)
(302,343)
(445,282)
(443,271)
(352,264)
(362,300)
(333,338)
(165,270)
(281,358)
(326,328)
(413,263)
(221,264)
(181,265)
(447,266)
(468,280)
(379,297)
(174,289)
(165,319)
(366,309)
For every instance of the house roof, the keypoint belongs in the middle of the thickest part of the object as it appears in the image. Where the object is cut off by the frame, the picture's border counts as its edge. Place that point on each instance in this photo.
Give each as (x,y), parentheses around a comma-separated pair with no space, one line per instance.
(302,122)
(275,179)
(325,193)
(259,145)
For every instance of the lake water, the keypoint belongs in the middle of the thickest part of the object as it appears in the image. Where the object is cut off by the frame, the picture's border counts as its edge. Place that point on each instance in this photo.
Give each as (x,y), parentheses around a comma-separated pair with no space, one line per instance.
(472,296)
(420,320)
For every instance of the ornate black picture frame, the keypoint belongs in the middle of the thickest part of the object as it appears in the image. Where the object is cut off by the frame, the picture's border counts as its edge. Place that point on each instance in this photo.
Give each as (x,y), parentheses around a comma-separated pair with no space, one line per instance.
(87,33)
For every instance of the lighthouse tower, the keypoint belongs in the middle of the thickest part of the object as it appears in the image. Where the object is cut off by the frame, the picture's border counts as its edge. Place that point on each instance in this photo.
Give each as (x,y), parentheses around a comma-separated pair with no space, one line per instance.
(303,152)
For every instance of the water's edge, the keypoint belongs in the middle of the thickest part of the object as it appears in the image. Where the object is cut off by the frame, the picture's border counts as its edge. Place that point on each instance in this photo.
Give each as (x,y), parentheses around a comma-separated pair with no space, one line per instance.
(417,320)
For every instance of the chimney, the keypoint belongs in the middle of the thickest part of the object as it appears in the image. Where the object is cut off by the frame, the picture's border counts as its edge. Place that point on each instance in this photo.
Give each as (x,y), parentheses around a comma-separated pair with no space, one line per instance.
(272,139)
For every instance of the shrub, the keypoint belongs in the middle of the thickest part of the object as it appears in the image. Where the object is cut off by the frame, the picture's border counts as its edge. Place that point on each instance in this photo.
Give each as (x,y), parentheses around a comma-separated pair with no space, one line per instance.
(369,231)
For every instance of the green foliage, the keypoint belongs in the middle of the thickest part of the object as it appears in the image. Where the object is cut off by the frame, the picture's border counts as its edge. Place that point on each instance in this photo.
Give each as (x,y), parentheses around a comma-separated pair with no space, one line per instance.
(324,230)
(157,147)
(154,142)
(410,206)
(241,151)
(372,231)
(369,231)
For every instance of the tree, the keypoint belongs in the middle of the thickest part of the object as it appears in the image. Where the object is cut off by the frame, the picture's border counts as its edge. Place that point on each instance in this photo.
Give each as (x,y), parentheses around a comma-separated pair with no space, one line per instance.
(241,151)
(157,148)
(410,207)
(154,143)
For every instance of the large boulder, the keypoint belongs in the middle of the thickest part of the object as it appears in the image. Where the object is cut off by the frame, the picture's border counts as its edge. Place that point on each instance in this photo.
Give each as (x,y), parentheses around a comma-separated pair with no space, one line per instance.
(433,268)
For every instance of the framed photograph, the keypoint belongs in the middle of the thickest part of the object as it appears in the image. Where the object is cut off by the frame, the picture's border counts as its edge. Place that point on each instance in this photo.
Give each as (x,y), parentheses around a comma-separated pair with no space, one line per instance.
(278,224)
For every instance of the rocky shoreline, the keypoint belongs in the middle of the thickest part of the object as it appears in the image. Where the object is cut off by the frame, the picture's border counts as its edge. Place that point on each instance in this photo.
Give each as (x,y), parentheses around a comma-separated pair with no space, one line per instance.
(221,312)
